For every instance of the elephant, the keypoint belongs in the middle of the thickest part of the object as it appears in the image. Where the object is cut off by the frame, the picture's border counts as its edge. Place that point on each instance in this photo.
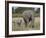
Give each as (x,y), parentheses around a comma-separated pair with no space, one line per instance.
(18,21)
(28,17)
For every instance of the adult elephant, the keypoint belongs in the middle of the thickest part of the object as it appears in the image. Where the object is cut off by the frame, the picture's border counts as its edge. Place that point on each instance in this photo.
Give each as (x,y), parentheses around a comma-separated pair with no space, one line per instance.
(28,16)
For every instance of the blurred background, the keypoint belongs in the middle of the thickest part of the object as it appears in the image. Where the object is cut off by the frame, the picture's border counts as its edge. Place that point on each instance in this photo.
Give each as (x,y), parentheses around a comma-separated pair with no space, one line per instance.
(20,10)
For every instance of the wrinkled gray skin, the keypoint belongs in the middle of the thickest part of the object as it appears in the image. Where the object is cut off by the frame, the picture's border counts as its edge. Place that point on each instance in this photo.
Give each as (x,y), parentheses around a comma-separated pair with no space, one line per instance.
(28,17)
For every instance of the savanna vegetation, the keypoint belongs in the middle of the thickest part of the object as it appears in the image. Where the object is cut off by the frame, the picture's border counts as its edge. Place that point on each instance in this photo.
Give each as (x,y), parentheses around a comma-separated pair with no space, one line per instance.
(17,13)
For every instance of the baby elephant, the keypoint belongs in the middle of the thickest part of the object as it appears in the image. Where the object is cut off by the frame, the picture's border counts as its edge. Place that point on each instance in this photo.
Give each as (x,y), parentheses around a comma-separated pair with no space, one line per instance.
(19,21)
(28,17)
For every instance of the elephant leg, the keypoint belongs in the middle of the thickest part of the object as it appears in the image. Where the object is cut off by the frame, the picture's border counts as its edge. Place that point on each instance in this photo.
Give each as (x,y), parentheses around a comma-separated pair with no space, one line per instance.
(25,22)
(32,22)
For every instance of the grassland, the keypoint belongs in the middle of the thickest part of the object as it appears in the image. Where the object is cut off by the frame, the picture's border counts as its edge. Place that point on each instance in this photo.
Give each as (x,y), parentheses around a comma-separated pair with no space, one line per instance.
(22,28)
(18,13)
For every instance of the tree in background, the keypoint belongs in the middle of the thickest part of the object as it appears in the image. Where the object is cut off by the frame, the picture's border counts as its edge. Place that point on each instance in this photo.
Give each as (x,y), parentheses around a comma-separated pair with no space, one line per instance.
(19,10)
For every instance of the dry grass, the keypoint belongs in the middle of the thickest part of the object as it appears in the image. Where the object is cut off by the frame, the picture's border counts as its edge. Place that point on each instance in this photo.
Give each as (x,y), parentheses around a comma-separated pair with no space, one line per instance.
(37,23)
(22,27)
